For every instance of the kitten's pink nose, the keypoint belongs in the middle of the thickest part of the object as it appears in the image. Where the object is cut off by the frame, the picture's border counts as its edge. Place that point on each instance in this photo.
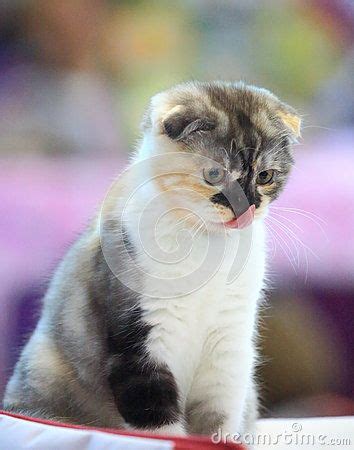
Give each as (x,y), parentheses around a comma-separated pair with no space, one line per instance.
(243,220)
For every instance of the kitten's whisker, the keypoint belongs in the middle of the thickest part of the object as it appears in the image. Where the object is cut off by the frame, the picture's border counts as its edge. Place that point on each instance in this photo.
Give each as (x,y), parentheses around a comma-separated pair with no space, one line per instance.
(282,240)
(289,221)
(274,247)
(308,215)
(305,252)
(298,210)
(307,267)
(320,127)
(286,228)
(294,246)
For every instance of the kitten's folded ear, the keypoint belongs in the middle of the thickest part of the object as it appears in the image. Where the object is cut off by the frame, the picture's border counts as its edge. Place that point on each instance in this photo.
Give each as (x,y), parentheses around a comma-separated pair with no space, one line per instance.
(291,120)
(180,122)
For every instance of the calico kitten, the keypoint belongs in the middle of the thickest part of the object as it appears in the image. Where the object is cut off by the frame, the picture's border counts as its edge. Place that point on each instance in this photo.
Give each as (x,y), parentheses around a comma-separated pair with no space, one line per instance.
(132,335)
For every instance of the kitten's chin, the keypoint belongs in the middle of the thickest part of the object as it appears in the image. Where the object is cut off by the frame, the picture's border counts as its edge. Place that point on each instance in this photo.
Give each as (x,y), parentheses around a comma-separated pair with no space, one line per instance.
(243,221)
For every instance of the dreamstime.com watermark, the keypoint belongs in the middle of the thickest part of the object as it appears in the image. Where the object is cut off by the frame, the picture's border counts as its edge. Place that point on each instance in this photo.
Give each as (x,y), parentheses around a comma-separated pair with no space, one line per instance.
(295,436)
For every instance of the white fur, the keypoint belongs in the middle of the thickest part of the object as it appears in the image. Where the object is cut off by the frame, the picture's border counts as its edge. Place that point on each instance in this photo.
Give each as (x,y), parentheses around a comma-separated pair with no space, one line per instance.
(205,337)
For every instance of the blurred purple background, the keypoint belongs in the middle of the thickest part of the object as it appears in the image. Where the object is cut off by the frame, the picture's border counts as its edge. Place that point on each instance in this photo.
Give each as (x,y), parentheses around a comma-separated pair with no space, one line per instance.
(74,79)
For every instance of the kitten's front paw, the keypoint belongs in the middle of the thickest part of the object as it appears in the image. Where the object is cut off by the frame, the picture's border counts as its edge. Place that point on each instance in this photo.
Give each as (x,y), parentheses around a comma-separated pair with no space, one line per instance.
(148,401)
(173,429)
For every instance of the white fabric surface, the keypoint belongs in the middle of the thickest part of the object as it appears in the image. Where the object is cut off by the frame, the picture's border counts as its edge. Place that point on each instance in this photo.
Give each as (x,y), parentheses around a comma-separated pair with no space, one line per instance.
(276,434)
(16,434)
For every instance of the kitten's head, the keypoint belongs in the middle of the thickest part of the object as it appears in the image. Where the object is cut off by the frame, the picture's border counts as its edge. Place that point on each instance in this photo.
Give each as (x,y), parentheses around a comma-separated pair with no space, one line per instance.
(244,135)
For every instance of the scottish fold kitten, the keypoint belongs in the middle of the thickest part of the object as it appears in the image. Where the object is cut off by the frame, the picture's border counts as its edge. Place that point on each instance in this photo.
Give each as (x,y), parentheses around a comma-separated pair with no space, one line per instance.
(150,320)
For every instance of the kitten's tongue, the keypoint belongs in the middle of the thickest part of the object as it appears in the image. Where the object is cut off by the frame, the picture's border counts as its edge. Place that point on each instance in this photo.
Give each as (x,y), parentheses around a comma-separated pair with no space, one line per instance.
(244,220)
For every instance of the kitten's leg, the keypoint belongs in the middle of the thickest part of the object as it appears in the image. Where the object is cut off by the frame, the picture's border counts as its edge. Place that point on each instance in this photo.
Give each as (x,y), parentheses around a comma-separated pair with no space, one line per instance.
(219,396)
(223,380)
(147,396)
(251,409)
(146,371)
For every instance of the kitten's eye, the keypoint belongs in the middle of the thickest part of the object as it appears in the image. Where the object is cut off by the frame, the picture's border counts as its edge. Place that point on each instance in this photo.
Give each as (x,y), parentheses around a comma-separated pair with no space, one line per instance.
(214,175)
(265,177)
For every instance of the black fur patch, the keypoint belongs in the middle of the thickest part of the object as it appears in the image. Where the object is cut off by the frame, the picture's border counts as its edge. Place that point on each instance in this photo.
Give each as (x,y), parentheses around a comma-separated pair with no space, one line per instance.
(178,126)
(220,199)
(237,198)
(146,394)
(244,121)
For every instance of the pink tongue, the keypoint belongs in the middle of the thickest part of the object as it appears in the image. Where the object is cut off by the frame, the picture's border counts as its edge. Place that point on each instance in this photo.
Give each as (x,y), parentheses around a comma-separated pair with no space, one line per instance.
(244,220)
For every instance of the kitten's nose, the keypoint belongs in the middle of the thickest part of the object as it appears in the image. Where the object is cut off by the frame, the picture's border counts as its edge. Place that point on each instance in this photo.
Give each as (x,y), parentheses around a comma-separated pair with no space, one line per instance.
(236,201)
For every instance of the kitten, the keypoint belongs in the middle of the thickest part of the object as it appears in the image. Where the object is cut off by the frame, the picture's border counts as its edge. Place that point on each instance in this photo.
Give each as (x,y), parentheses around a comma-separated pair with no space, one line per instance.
(150,320)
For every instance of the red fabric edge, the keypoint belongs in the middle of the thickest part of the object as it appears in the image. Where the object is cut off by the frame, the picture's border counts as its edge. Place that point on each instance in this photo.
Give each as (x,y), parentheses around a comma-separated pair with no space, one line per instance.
(182,443)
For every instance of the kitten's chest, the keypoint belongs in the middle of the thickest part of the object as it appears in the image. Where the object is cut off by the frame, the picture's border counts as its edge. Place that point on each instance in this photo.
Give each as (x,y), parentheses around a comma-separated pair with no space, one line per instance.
(215,307)
(207,287)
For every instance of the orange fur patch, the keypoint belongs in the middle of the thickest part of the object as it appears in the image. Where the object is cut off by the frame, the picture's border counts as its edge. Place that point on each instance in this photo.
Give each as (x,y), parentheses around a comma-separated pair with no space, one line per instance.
(291,121)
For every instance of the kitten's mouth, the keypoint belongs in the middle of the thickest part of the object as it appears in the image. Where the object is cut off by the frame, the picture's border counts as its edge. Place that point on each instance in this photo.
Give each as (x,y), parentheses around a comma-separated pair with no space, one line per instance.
(243,221)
